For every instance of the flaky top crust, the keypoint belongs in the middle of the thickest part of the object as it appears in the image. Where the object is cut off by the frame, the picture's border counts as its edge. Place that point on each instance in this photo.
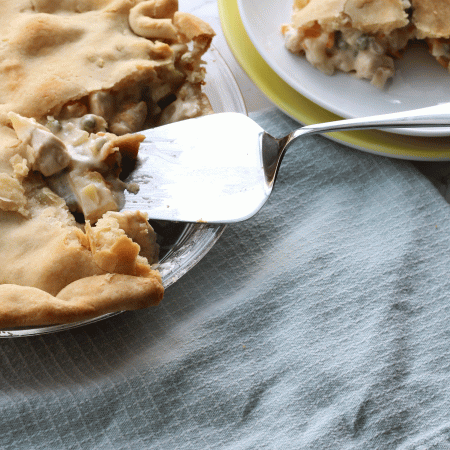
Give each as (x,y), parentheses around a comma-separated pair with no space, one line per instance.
(431,18)
(366,15)
(47,60)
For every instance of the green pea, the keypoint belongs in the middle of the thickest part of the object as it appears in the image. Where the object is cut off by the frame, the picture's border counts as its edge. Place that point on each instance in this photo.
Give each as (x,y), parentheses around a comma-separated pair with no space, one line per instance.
(340,42)
(362,43)
(88,123)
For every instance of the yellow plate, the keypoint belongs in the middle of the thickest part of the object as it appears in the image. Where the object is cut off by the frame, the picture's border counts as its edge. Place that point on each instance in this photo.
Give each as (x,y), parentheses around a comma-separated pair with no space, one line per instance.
(307,112)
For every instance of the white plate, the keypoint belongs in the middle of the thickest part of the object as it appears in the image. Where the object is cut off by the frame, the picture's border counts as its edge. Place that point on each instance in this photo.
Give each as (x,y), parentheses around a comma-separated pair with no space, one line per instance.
(419,80)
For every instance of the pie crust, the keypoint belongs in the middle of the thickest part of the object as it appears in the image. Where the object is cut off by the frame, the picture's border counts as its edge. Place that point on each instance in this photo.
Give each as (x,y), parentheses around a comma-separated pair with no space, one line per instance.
(78,80)
(432,23)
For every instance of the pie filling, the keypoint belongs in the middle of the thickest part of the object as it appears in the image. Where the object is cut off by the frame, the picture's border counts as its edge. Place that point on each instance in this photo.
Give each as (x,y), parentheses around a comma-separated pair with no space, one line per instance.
(348,50)
(80,153)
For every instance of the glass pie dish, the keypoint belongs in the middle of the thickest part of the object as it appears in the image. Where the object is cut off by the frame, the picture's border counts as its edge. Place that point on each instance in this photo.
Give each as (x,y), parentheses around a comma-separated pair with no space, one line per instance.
(182,245)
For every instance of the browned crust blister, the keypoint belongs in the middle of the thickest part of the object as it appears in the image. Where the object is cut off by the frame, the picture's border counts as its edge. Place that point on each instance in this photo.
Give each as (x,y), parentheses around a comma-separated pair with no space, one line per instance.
(53,57)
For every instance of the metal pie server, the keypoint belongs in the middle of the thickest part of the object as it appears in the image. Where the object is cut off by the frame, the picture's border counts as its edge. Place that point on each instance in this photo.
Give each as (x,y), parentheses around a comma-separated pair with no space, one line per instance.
(222,168)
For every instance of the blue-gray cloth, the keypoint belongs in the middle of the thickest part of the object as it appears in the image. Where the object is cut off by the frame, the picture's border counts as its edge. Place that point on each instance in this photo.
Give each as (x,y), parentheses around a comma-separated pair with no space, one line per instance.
(321,323)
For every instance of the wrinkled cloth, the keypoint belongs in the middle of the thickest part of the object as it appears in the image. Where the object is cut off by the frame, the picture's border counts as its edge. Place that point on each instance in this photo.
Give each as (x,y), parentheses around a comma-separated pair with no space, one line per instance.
(321,323)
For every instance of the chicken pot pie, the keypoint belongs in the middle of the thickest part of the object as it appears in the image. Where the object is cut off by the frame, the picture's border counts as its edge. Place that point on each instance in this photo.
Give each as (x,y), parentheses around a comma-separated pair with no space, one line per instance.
(364,37)
(358,36)
(78,79)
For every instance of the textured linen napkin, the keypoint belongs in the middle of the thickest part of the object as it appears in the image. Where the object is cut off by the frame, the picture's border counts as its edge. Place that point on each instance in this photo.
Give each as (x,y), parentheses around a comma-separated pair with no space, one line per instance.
(321,323)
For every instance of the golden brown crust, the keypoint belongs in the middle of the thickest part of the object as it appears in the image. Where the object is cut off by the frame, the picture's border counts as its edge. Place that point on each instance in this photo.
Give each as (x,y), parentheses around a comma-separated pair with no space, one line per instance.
(192,27)
(104,53)
(84,299)
(78,6)
(430,18)
(366,15)
(101,57)
(43,252)
(117,241)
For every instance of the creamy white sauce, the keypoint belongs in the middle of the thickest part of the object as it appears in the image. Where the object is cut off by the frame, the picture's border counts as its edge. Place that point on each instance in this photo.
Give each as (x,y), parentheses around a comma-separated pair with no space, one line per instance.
(72,161)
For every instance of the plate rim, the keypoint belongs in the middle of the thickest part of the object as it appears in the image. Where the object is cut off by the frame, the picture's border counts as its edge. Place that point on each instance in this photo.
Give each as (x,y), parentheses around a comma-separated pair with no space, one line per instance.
(303,110)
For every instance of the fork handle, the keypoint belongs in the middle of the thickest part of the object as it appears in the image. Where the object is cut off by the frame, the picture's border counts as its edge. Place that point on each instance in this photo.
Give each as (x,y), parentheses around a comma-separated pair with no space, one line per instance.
(275,149)
(432,116)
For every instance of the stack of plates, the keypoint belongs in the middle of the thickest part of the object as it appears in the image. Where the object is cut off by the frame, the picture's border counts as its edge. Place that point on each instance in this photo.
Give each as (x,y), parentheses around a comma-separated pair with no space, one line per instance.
(252,30)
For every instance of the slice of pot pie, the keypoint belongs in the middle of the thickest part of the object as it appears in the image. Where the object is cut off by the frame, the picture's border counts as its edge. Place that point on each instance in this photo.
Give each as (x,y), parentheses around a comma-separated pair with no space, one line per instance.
(358,36)
(78,79)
